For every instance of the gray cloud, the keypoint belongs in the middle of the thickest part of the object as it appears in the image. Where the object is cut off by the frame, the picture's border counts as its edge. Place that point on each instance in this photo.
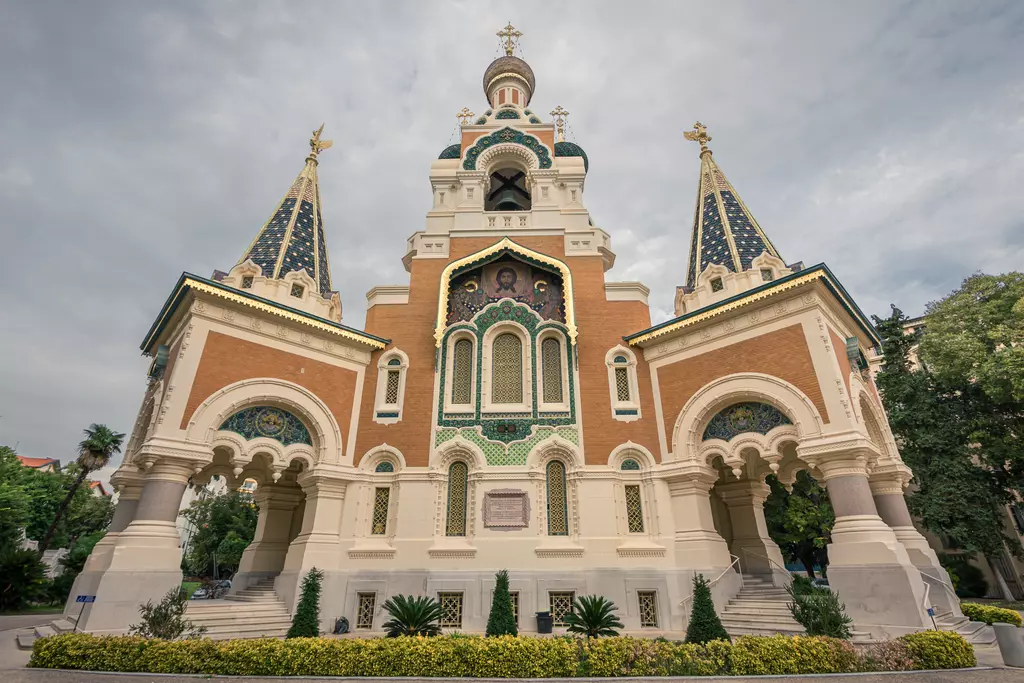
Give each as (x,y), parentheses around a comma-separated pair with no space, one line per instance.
(139,140)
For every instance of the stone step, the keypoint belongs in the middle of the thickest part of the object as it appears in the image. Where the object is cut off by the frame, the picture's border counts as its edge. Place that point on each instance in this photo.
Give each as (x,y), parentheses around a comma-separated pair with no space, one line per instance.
(742,628)
(62,625)
(761,619)
(45,631)
(226,619)
(224,603)
(270,597)
(244,635)
(26,639)
(758,602)
(265,627)
(741,610)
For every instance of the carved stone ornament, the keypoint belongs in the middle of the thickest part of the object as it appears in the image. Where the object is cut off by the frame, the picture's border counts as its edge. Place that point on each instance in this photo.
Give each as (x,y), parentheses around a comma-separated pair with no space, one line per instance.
(506,509)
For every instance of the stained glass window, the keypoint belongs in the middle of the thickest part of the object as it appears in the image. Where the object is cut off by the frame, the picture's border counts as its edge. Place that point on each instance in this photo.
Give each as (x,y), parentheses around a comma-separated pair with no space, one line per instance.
(380,511)
(391,390)
(462,372)
(247,282)
(395,361)
(634,510)
(717,285)
(622,384)
(297,291)
(385,466)
(507,369)
(457,475)
(364,614)
(648,604)
(451,609)
(561,604)
(558,520)
(629,464)
(767,275)
(551,353)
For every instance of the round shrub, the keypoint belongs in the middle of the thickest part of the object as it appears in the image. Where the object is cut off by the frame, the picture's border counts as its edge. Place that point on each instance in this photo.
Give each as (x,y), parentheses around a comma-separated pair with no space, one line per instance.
(990,614)
(781,655)
(939,650)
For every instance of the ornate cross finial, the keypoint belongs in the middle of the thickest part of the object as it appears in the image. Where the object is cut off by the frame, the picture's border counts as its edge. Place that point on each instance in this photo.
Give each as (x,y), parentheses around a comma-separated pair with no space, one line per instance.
(316,145)
(465,116)
(509,37)
(699,134)
(559,114)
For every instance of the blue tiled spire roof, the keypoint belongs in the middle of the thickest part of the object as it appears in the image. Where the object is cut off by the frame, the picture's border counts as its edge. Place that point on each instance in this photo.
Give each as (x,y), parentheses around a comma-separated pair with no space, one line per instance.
(293,238)
(724,230)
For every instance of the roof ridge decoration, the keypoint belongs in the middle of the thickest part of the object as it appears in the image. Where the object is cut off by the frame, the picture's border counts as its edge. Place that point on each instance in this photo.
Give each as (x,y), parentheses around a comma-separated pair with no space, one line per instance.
(293,238)
(485,254)
(724,230)
(507,135)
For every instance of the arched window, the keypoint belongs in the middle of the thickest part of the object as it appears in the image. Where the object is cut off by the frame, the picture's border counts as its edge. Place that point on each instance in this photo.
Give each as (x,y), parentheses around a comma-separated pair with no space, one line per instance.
(385,467)
(634,509)
(462,372)
(391,372)
(622,392)
(507,369)
(622,384)
(551,361)
(630,465)
(457,491)
(558,517)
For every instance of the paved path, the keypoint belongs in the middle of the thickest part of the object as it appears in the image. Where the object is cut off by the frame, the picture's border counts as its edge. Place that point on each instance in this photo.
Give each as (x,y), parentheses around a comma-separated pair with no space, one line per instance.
(985,676)
(9,621)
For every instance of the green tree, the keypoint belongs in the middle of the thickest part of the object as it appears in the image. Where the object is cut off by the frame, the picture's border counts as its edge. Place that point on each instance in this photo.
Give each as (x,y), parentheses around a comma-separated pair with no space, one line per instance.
(22,579)
(593,616)
(502,619)
(800,521)
(959,493)
(704,625)
(412,616)
(14,511)
(818,609)
(94,452)
(166,619)
(224,525)
(306,622)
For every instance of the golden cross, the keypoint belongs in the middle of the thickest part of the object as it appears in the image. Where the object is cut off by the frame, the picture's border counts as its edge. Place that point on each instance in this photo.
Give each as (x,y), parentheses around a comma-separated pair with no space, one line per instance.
(465,116)
(509,37)
(699,134)
(316,145)
(560,115)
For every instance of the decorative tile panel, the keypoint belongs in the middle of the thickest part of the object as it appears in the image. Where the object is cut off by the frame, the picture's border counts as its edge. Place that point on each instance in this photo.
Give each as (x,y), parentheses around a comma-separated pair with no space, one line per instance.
(740,418)
(270,422)
(507,135)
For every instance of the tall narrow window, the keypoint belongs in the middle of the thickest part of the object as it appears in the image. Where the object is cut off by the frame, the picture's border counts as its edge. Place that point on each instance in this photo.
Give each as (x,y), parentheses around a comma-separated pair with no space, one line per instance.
(457,476)
(364,615)
(551,356)
(561,604)
(462,372)
(451,609)
(558,519)
(389,395)
(394,376)
(634,509)
(647,602)
(622,383)
(507,369)
(381,498)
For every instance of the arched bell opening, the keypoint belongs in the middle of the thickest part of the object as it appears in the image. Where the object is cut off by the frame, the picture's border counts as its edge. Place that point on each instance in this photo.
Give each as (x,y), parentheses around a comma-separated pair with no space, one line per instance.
(508,190)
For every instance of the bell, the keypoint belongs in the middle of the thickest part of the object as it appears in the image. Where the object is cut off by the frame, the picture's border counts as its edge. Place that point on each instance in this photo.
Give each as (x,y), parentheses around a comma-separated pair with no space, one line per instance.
(510,200)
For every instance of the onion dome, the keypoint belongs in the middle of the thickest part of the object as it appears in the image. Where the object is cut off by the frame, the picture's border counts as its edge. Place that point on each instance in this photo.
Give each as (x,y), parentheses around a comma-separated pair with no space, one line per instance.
(571,149)
(451,152)
(513,66)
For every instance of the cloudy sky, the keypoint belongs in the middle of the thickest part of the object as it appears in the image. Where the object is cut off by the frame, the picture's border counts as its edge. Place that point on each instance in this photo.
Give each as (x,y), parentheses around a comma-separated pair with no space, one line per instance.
(141,139)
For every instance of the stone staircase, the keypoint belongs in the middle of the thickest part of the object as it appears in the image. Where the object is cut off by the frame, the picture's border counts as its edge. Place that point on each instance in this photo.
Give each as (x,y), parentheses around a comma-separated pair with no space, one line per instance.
(27,636)
(976,632)
(759,609)
(253,612)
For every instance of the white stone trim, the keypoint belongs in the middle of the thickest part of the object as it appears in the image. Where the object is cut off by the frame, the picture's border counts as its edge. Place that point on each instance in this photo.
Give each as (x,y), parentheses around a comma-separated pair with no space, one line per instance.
(559,336)
(379,404)
(389,295)
(626,291)
(377,454)
(449,378)
(621,409)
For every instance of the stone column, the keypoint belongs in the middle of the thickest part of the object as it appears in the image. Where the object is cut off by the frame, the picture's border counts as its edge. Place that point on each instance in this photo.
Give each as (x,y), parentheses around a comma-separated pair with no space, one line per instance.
(697,545)
(128,483)
(318,543)
(146,559)
(758,553)
(265,555)
(887,490)
(868,567)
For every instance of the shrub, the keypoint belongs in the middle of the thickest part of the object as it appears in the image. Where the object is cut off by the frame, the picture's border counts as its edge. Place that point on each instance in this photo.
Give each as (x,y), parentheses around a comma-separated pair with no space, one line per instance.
(939,650)
(166,620)
(593,616)
(306,622)
(891,655)
(419,616)
(463,656)
(819,611)
(502,619)
(704,625)
(22,579)
(990,614)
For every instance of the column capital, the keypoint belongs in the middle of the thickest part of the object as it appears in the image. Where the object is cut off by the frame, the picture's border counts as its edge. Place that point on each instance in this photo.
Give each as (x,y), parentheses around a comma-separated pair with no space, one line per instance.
(128,482)
(688,477)
(891,479)
(277,497)
(157,449)
(839,455)
(322,485)
(744,492)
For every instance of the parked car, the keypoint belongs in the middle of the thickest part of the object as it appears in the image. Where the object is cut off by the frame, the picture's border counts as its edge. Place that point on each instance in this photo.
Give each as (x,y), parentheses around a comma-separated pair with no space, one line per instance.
(212,591)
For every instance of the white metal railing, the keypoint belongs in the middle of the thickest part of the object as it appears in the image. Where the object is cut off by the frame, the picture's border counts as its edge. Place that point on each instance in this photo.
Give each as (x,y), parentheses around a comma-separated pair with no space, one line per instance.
(735,561)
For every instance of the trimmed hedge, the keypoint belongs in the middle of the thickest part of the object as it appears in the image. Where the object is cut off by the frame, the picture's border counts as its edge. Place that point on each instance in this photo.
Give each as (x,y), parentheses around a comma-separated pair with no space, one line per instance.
(479,657)
(989,614)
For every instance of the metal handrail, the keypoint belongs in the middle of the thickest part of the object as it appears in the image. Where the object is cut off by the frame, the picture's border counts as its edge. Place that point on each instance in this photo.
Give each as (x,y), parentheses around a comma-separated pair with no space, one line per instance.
(735,561)
(782,567)
(942,583)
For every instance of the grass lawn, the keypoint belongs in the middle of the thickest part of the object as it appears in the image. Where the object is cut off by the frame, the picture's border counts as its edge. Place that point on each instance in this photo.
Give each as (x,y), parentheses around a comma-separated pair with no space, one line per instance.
(190,587)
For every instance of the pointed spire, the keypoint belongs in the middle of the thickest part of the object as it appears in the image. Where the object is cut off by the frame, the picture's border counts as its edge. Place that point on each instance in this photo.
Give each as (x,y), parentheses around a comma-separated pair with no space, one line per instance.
(724,230)
(293,239)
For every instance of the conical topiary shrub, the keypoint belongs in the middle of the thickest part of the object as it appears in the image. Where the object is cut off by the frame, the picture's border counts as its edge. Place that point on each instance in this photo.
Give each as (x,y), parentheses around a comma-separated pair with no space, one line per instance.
(502,619)
(704,623)
(306,622)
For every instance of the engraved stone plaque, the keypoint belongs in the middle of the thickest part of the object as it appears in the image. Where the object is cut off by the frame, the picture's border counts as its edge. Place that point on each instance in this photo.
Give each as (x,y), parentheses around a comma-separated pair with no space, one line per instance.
(506,509)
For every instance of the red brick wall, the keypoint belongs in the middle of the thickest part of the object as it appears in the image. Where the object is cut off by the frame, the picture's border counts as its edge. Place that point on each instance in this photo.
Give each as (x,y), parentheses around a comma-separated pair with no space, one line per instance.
(839,346)
(227,360)
(783,354)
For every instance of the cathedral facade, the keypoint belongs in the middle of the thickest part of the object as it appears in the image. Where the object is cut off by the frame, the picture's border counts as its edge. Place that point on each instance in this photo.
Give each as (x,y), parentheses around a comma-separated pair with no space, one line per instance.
(510,407)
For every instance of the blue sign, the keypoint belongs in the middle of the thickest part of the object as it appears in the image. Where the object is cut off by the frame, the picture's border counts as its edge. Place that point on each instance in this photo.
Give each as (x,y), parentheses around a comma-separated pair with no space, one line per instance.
(86,598)
(931,611)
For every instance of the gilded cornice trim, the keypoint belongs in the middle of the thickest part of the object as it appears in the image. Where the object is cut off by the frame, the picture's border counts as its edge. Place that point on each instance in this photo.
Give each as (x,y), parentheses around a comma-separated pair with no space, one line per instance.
(189,282)
(503,245)
(819,272)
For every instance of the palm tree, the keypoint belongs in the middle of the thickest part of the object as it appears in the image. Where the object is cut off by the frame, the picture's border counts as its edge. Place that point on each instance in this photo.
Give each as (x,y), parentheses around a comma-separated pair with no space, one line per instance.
(419,616)
(593,615)
(94,452)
